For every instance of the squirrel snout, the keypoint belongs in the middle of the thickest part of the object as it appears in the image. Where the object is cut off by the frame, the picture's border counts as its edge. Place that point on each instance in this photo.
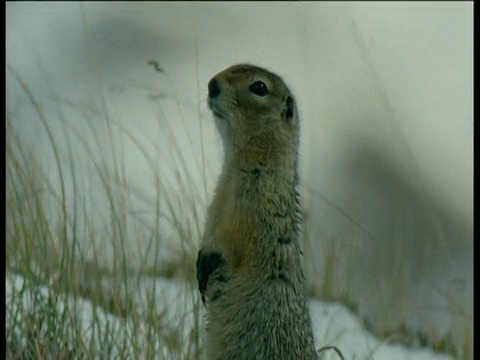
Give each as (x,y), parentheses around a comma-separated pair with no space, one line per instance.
(213,88)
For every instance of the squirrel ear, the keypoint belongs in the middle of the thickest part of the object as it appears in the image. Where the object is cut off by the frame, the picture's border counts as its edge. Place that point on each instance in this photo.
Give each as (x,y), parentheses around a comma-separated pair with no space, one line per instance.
(289,109)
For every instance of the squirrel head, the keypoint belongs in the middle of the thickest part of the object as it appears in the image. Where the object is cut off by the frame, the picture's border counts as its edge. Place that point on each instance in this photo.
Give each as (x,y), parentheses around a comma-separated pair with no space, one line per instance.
(255,113)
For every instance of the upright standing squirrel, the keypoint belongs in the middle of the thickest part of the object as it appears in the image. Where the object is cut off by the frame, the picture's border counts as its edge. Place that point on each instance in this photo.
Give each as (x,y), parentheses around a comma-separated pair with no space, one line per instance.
(249,268)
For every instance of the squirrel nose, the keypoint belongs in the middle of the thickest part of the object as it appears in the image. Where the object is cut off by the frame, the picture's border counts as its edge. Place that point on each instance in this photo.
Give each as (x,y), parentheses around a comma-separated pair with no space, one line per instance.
(213,88)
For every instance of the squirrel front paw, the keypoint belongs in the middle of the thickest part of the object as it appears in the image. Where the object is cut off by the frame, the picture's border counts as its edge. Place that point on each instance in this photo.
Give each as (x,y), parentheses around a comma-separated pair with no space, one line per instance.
(207,263)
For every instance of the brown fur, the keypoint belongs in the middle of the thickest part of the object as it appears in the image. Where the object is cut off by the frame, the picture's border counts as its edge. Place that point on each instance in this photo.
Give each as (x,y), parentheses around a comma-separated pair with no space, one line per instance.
(250,265)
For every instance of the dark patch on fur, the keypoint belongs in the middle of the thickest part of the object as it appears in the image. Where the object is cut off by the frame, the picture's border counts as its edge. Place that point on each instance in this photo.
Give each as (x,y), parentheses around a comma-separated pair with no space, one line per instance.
(216,295)
(220,278)
(280,274)
(256,173)
(207,263)
(289,108)
(284,240)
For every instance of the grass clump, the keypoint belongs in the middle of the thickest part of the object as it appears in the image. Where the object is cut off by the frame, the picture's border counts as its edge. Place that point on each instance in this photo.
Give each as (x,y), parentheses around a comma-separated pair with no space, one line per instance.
(73,289)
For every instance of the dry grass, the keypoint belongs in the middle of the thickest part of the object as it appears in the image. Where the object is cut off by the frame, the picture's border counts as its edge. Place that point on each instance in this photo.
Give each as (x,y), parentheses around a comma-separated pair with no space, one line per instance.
(53,232)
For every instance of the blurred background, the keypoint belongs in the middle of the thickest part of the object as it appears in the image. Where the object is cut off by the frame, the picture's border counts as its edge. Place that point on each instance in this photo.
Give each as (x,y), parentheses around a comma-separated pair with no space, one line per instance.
(108,129)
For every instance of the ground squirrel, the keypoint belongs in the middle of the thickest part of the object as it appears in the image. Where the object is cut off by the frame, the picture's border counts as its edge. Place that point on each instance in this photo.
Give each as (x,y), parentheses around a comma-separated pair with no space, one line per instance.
(249,267)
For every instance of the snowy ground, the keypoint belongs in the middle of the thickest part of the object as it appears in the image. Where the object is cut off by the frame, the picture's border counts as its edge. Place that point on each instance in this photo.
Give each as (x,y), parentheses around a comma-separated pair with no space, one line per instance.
(334,325)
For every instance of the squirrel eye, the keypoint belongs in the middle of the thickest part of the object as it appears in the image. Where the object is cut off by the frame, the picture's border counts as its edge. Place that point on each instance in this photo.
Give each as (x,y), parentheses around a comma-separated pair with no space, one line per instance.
(259,88)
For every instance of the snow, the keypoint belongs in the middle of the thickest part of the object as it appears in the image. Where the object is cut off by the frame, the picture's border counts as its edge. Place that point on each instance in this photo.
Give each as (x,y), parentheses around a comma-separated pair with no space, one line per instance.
(93,321)
(334,325)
